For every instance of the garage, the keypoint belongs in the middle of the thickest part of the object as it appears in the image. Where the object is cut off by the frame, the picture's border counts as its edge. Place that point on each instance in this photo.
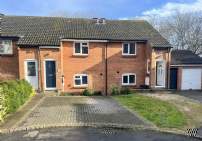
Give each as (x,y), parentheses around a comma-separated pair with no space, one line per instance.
(191,79)
(185,70)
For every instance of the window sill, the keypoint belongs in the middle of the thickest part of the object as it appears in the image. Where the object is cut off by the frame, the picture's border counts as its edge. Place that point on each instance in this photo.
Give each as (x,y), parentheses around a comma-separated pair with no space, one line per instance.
(80,55)
(7,55)
(129,56)
(80,87)
(128,84)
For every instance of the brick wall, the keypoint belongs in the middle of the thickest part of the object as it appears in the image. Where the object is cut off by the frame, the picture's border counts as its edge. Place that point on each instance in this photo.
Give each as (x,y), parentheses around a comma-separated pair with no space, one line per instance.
(32,53)
(118,64)
(159,54)
(95,64)
(9,65)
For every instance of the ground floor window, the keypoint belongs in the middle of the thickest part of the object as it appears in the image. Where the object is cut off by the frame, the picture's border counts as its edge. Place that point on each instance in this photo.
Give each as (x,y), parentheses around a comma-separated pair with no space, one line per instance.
(81,80)
(129,79)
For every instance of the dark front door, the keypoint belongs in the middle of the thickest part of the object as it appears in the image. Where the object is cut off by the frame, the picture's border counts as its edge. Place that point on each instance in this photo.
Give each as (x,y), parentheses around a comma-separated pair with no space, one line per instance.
(173,78)
(50,74)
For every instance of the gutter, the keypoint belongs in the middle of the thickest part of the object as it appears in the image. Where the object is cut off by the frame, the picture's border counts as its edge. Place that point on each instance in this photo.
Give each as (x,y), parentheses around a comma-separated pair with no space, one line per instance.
(187,65)
(106,70)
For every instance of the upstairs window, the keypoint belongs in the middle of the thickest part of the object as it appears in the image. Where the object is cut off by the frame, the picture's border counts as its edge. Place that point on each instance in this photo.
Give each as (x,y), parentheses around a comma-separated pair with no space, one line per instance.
(81,48)
(6,47)
(81,80)
(128,79)
(129,49)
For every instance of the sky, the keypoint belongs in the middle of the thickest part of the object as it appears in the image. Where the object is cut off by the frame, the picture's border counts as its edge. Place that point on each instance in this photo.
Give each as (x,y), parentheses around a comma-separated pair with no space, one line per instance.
(110,9)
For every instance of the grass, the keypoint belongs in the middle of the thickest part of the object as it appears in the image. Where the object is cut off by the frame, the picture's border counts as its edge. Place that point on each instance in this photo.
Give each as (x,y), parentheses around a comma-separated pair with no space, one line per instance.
(161,113)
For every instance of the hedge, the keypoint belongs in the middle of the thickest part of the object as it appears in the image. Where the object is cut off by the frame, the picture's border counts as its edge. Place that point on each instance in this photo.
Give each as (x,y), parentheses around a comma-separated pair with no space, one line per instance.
(13,94)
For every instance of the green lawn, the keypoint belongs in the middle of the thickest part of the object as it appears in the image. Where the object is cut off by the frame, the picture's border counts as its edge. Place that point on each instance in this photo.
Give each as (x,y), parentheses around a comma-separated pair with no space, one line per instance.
(161,113)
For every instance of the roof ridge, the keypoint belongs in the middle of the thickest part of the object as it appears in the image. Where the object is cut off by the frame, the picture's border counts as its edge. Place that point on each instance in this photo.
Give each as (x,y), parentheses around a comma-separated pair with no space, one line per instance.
(75,18)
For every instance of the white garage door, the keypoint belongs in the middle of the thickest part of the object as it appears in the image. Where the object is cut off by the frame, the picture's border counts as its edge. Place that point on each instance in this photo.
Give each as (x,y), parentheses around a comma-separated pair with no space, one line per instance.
(191,79)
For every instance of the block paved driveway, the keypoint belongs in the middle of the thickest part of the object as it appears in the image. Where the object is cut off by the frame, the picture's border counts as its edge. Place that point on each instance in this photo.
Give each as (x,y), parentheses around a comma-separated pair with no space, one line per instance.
(80,111)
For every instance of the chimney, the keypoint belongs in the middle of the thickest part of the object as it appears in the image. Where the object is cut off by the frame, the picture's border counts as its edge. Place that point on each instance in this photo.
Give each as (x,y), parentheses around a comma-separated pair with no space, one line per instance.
(103,20)
(100,20)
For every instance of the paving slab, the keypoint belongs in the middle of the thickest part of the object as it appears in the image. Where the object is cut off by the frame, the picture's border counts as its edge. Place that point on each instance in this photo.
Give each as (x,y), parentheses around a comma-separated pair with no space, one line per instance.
(80,111)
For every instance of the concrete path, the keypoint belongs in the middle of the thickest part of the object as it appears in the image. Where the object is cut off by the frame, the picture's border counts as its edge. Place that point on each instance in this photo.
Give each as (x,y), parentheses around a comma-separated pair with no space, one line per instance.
(80,111)
(92,134)
(195,95)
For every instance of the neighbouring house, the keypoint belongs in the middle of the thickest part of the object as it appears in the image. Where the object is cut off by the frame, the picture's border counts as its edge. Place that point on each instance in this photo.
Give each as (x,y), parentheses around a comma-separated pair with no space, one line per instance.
(69,55)
(186,70)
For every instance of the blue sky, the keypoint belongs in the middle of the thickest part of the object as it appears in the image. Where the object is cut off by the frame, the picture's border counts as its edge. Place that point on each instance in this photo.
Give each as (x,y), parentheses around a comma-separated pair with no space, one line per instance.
(111,9)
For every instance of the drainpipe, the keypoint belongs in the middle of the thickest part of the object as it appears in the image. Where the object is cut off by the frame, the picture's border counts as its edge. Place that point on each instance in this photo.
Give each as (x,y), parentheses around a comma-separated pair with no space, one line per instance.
(168,68)
(39,70)
(106,70)
(62,68)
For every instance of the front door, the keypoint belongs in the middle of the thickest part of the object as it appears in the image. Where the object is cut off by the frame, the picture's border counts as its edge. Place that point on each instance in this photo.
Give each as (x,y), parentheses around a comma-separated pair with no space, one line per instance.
(31,73)
(160,73)
(50,74)
(173,78)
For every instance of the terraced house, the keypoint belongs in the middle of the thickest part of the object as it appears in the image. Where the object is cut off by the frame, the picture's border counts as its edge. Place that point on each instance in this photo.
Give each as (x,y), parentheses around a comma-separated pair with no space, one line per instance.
(69,55)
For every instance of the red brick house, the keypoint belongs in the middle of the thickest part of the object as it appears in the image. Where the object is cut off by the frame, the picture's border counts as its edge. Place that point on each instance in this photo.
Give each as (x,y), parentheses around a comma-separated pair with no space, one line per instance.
(64,54)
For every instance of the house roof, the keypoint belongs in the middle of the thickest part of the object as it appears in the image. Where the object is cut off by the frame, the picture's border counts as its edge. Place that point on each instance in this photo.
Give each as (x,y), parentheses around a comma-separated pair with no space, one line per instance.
(50,30)
(184,57)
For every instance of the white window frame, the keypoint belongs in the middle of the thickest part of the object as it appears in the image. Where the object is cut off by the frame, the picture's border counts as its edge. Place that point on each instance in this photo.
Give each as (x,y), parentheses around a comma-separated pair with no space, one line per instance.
(80,75)
(11,47)
(128,84)
(81,54)
(148,64)
(128,54)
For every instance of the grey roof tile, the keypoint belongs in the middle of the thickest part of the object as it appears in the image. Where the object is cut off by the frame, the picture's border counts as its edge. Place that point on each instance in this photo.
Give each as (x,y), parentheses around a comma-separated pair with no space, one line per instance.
(184,57)
(49,30)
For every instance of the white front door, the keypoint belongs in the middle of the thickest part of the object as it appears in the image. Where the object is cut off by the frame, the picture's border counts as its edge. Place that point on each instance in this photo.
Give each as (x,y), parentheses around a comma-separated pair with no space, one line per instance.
(31,73)
(191,79)
(160,73)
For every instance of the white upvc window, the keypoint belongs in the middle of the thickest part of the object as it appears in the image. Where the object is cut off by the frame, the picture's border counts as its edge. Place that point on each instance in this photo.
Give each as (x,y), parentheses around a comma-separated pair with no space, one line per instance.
(6,47)
(81,48)
(80,80)
(129,49)
(129,79)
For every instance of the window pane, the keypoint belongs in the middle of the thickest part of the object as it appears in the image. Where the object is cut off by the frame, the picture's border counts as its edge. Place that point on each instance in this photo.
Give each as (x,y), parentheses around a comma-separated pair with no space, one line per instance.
(31,69)
(77,48)
(1,48)
(84,80)
(77,81)
(131,78)
(84,50)
(132,48)
(6,47)
(85,44)
(125,48)
(77,76)
(125,79)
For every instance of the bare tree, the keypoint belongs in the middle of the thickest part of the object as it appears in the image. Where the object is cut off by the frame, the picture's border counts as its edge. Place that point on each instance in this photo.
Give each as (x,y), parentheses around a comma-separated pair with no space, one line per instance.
(183,31)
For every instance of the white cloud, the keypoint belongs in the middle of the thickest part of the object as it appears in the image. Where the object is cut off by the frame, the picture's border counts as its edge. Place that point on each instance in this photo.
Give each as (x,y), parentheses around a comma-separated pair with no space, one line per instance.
(171,8)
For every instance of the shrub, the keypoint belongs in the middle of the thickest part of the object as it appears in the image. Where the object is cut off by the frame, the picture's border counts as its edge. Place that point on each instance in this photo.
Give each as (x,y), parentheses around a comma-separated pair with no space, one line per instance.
(87,92)
(13,94)
(97,93)
(125,91)
(115,90)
